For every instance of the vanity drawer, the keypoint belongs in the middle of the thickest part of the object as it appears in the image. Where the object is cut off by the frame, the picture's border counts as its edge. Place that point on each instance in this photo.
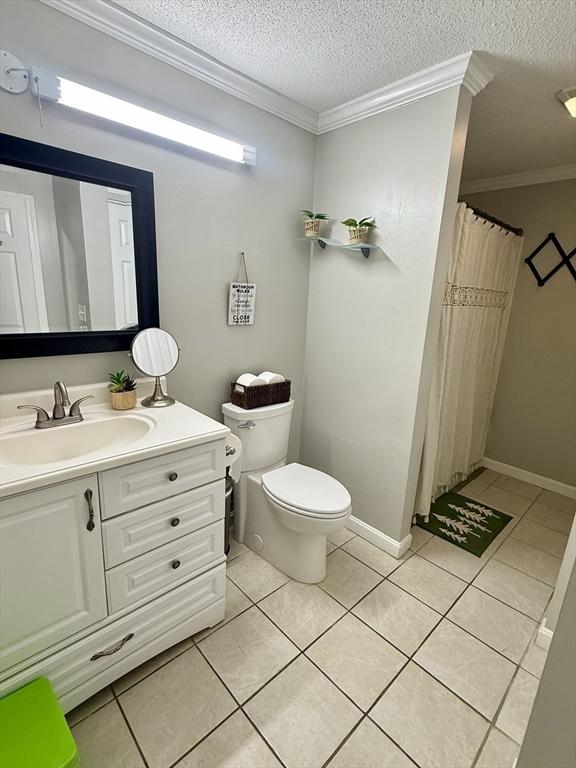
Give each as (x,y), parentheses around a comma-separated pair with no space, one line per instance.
(164,567)
(84,660)
(135,485)
(135,533)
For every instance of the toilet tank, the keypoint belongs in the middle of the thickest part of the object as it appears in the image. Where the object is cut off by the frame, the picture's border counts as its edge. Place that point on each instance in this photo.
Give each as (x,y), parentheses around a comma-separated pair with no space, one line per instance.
(263,432)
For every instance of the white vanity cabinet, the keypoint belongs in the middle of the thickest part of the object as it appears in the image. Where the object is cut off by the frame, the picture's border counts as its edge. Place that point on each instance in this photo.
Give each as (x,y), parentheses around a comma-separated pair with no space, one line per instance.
(102,572)
(51,567)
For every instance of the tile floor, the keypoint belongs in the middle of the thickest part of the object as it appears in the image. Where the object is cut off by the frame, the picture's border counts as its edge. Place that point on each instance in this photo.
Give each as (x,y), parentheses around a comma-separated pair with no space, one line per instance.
(425,661)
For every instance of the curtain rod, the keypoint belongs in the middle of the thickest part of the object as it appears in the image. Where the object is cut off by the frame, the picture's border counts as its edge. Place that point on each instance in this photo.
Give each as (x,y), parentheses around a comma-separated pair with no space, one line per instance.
(493,220)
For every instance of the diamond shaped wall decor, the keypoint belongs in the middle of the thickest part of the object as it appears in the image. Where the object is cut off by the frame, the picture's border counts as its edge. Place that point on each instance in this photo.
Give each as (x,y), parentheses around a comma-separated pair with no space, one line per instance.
(565,259)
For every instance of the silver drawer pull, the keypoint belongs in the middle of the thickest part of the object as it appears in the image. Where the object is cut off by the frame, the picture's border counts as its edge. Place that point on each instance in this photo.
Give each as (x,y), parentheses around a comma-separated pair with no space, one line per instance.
(230,451)
(247,425)
(173,476)
(114,649)
(174,522)
(90,525)
(175,564)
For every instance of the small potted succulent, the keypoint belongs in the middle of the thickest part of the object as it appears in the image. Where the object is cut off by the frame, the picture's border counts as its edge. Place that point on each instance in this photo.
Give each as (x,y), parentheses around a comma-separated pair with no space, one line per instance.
(358,230)
(122,391)
(312,223)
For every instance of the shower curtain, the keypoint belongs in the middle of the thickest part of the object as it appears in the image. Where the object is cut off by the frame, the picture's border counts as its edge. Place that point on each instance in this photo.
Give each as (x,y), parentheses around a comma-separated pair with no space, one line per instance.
(475,311)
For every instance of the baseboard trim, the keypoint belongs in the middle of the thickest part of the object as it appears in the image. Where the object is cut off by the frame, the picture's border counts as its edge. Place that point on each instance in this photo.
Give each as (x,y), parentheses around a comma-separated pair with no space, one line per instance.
(381,540)
(530,477)
(544,636)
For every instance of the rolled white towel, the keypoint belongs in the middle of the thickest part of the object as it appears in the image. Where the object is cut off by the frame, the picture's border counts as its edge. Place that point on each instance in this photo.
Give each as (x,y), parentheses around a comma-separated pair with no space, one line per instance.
(249,380)
(271,378)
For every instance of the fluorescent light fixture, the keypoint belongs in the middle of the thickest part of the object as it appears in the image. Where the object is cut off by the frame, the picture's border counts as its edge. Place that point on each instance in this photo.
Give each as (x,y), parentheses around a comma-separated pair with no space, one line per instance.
(50,86)
(568,97)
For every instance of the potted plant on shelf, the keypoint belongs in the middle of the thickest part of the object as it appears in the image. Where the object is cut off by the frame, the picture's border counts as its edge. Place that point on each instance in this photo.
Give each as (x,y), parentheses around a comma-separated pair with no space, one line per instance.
(122,391)
(312,223)
(358,230)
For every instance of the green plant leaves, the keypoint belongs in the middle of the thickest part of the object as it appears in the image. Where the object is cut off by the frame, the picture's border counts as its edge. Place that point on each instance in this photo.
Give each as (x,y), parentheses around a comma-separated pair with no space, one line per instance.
(350,223)
(312,215)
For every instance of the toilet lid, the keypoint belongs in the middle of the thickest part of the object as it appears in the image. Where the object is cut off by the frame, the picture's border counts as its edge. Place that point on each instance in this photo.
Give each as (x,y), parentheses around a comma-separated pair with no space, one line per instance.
(307,489)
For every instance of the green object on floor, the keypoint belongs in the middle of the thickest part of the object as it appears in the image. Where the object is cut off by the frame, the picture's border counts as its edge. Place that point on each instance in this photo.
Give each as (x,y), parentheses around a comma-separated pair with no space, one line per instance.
(33,730)
(467,523)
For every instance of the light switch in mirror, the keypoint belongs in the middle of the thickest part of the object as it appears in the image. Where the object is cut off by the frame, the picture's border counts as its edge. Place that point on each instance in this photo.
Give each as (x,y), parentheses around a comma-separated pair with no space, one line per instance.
(67,259)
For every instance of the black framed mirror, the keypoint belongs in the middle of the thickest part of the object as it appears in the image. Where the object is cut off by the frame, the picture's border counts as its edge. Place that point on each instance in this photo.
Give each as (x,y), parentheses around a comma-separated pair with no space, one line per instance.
(77,252)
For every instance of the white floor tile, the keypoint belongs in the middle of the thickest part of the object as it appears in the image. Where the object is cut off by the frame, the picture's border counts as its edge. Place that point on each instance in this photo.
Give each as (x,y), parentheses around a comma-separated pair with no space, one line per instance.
(347,579)
(495,623)
(499,751)
(302,611)
(357,659)
(505,501)
(451,558)
(103,739)
(540,537)
(234,744)
(172,709)
(550,517)
(429,583)
(468,667)
(515,712)
(368,747)
(520,487)
(373,556)
(557,501)
(397,616)
(534,660)
(255,577)
(139,673)
(514,588)
(302,715)
(247,652)
(89,706)
(529,560)
(431,724)
(419,537)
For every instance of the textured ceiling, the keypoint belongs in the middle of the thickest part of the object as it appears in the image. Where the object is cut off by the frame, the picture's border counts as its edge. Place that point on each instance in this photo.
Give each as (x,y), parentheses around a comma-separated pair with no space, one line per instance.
(322,53)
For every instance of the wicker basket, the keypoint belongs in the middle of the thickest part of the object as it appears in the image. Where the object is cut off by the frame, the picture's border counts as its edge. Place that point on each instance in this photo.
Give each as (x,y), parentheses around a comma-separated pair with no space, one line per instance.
(311,227)
(259,397)
(357,235)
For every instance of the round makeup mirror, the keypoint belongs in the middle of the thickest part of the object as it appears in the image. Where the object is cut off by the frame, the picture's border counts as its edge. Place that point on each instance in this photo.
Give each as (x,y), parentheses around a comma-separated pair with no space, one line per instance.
(155,352)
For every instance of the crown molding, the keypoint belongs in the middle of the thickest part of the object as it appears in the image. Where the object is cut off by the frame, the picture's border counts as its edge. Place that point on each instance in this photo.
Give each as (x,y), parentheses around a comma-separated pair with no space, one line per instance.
(131,30)
(467,70)
(107,17)
(525,179)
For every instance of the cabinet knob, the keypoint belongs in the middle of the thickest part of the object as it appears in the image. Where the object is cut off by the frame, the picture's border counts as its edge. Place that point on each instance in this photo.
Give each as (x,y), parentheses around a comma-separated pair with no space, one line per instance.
(174,522)
(173,476)
(175,564)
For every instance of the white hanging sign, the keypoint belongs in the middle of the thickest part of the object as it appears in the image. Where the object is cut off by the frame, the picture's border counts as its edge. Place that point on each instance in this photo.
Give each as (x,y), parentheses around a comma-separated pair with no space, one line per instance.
(242,299)
(241,303)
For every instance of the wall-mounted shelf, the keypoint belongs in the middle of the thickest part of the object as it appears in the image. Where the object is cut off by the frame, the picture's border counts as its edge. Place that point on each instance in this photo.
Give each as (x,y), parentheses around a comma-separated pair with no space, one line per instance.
(365,248)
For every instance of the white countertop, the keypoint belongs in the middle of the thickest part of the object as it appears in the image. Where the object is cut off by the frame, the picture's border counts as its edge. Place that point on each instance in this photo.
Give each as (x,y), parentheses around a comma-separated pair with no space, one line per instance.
(171,429)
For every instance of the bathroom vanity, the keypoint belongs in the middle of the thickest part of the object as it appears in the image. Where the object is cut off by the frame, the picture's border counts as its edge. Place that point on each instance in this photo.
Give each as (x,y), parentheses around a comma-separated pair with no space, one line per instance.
(112,540)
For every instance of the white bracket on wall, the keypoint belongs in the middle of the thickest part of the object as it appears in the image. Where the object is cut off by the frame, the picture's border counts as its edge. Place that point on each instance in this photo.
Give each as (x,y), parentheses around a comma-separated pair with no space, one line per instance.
(14,76)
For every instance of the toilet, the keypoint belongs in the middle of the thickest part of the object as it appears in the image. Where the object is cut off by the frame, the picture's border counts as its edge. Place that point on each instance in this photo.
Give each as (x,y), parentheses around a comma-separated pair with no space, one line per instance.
(284,512)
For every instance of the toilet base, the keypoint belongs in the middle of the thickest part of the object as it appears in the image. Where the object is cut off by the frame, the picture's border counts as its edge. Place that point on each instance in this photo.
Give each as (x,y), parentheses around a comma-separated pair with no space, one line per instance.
(302,556)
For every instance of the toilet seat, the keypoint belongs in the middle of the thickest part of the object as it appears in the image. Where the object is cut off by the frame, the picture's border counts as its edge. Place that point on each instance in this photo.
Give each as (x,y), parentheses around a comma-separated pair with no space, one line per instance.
(306,491)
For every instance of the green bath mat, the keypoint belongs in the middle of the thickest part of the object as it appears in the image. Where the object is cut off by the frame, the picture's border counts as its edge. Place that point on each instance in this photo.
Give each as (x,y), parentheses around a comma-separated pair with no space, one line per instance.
(464,522)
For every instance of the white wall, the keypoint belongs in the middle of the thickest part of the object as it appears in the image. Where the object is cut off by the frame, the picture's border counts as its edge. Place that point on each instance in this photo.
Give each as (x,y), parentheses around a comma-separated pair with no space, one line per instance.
(533,423)
(368,363)
(206,210)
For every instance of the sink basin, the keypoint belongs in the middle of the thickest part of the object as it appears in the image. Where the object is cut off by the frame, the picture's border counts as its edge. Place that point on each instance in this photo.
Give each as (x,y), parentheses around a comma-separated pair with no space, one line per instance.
(73,440)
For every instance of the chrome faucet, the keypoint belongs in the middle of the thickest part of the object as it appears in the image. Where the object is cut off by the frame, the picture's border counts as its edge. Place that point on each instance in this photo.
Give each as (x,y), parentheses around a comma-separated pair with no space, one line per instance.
(59,418)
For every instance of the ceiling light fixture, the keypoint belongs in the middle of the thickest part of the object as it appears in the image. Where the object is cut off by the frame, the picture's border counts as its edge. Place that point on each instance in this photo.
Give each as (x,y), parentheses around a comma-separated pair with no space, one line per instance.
(568,97)
(51,87)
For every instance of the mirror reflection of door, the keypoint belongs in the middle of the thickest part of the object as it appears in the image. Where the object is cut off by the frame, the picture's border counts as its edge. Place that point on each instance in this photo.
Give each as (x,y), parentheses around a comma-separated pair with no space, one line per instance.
(22,297)
(123,267)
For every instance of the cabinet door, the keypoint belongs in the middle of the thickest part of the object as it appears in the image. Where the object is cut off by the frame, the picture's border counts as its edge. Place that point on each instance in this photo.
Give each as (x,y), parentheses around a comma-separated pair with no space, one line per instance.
(52,572)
